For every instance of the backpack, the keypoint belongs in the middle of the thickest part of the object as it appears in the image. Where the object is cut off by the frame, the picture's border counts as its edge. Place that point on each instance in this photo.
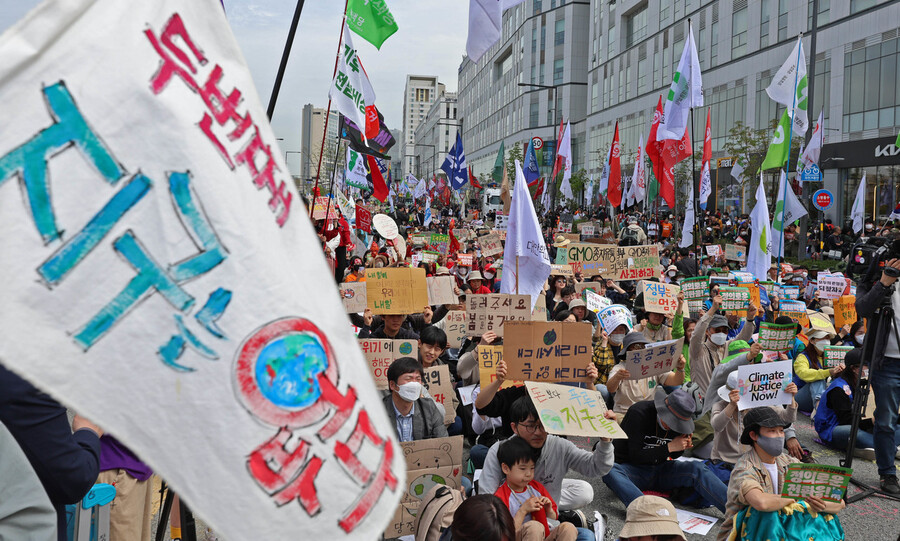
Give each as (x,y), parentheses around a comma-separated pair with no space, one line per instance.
(436,512)
(629,237)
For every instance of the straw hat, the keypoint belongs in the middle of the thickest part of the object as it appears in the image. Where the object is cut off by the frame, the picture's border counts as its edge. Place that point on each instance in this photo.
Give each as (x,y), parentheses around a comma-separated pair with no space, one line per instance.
(560,241)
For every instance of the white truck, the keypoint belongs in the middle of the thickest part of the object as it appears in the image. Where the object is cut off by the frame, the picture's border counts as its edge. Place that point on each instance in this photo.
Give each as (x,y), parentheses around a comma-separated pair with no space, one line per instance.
(490,200)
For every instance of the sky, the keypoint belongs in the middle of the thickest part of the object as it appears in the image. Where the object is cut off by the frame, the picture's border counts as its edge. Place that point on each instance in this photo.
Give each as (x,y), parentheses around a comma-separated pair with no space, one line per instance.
(431,40)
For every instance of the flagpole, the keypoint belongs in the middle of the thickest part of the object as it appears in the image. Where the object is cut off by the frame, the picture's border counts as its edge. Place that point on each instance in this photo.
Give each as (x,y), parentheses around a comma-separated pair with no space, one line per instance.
(517,274)
(330,186)
(284,59)
(788,164)
(337,58)
(693,163)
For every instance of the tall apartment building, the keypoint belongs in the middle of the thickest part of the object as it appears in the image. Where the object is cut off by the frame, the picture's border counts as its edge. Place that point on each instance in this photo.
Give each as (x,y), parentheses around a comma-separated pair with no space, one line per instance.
(312,123)
(631,50)
(420,92)
(436,135)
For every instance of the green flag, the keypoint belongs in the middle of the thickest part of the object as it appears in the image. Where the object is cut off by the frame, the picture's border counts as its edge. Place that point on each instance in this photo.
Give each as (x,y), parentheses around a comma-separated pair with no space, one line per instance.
(781,145)
(897,143)
(498,164)
(653,188)
(372,20)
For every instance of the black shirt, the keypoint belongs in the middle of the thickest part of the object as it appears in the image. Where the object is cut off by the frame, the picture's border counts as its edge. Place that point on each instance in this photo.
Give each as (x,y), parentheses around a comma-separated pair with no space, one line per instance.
(499,407)
(648,442)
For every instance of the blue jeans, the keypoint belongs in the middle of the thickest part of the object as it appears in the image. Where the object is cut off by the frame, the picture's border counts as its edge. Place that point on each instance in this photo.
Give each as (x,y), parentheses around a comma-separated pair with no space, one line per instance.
(456,427)
(722,470)
(628,481)
(604,392)
(886,385)
(809,394)
(477,454)
(585,534)
(840,437)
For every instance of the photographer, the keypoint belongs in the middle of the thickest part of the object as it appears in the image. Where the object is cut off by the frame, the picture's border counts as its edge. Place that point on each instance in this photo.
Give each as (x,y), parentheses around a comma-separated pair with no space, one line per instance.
(885,368)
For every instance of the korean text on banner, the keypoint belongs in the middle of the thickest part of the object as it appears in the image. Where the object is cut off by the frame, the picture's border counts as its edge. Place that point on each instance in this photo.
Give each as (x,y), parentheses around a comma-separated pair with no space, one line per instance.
(428,462)
(845,311)
(552,351)
(754,296)
(834,355)
(441,290)
(613,262)
(596,287)
(831,286)
(790,292)
(696,290)
(456,323)
(595,302)
(489,313)
(396,291)
(735,299)
(571,411)
(660,298)
(490,244)
(795,310)
(817,480)
(764,384)
(714,250)
(488,357)
(464,260)
(653,360)
(353,295)
(170,234)
(613,316)
(437,381)
(440,242)
(561,270)
(380,353)
(775,337)
(321,205)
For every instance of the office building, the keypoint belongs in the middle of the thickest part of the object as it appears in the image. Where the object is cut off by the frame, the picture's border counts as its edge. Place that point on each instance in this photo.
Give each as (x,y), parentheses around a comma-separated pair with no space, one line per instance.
(312,124)
(436,135)
(420,93)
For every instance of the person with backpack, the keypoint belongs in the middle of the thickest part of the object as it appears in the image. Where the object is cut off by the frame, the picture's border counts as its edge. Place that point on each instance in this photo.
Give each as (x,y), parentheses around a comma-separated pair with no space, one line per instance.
(632,235)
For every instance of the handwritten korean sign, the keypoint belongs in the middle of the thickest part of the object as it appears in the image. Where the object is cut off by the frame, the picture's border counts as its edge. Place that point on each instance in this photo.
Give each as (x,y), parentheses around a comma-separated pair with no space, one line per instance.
(654,360)
(613,262)
(733,252)
(440,242)
(795,310)
(572,411)
(488,357)
(561,270)
(552,351)
(817,480)
(660,298)
(613,316)
(595,302)
(440,290)
(775,337)
(845,311)
(380,353)
(456,323)
(320,206)
(834,355)
(437,381)
(489,313)
(464,260)
(713,250)
(396,291)
(764,384)
(490,244)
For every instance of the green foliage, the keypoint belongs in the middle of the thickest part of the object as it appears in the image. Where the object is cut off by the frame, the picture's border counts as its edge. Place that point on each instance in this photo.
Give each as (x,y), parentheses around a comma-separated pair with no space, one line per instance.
(516,152)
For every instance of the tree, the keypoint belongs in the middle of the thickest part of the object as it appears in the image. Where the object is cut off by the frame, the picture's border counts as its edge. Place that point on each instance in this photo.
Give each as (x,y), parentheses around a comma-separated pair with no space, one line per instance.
(683,181)
(746,141)
(514,153)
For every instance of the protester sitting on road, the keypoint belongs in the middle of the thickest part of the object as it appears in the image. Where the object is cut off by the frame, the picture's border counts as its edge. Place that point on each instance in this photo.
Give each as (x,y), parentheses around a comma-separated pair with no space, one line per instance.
(809,375)
(579,308)
(659,430)
(651,518)
(415,417)
(629,391)
(476,283)
(708,342)
(755,488)
(654,328)
(568,295)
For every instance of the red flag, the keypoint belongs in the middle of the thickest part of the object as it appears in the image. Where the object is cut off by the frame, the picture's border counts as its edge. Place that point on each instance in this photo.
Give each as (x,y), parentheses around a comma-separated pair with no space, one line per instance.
(373,124)
(557,163)
(539,182)
(474,181)
(380,187)
(672,153)
(614,190)
(654,147)
(454,243)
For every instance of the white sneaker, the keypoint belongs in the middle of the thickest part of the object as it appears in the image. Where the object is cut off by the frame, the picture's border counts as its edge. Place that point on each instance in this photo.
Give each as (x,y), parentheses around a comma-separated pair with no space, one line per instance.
(867,453)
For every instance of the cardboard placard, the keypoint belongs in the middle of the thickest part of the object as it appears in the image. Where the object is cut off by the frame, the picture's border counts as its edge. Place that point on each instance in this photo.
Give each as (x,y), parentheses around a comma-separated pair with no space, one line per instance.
(834,355)
(440,242)
(613,262)
(363,218)
(353,296)
(462,233)
(456,323)
(396,290)
(491,312)
(775,337)
(551,351)
(441,290)
(817,480)
(580,287)
(418,240)
(660,298)
(734,252)
(571,411)
(845,311)
(561,270)
(735,299)
(595,302)
(380,353)
(319,206)
(429,256)
(490,244)
(464,260)
(764,384)
(588,231)
(564,227)
(540,308)
(613,316)
(437,381)
(428,463)
(795,310)
(713,250)
(655,359)
(831,286)
(488,357)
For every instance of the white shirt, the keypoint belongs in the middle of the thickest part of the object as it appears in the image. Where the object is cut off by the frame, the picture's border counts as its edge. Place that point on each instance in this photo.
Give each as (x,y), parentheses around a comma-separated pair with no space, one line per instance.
(773,474)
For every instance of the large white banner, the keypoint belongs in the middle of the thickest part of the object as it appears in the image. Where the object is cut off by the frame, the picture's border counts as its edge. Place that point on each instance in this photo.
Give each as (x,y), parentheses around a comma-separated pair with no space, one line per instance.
(160,276)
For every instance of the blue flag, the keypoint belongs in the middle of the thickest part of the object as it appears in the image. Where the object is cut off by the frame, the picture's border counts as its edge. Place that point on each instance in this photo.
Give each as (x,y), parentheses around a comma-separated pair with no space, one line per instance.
(531,170)
(455,165)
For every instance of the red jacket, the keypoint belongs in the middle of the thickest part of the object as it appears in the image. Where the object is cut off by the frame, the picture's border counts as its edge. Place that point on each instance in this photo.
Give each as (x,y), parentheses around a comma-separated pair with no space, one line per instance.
(504,492)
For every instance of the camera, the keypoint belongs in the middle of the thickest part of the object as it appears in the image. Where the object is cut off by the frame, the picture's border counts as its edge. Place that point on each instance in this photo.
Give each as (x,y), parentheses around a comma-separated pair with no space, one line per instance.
(868,256)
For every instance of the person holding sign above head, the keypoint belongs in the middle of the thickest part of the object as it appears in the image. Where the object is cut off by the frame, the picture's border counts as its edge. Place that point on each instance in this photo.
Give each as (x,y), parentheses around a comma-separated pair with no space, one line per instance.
(415,417)
(755,488)
(660,430)
(654,328)
(630,391)
(809,372)
(708,342)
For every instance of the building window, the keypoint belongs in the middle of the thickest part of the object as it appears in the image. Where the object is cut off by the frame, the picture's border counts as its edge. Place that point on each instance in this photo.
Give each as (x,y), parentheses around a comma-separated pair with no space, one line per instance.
(560,36)
(534,40)
(423,94)
(727,107)
(558,71)
(636,27)
(543,38)
(714,44)
(663,13)
(643,70)
(537,6)
(870,101)
(782,20)
(534,115)
(764,10)
(859,5)
(882,185)
(739,33)
(824,13)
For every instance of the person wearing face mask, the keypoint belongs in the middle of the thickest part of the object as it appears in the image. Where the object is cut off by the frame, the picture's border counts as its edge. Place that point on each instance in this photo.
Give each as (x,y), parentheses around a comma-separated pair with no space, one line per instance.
(671,273)
(654,327)
(754,490)
(809,375)
(708,342)
(415,417)
(857,334)
(630,391)
(604,358)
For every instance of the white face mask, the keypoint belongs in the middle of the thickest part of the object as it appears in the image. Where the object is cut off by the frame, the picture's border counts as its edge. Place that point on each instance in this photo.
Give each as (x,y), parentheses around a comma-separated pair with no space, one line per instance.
(616,338)
(672,273)
(719,338)
(410,391)
(821,344)
(860,338)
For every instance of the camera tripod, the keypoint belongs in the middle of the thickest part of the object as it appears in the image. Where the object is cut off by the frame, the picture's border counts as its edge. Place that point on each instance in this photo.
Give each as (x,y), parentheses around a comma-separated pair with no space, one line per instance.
(188,526)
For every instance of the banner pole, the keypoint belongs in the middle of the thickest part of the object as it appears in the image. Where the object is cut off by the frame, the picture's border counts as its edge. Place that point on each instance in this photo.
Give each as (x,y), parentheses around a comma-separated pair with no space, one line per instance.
(787,168)
(288,44)
(517,274)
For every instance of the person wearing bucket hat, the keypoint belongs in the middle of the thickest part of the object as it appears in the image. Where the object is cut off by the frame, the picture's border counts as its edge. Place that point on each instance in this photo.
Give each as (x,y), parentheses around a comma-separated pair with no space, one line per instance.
(708,342)
(631,391)
(810,373)
(475,281)
(651,517)
(659,430)
(756,482)
(560,241)
(579,308)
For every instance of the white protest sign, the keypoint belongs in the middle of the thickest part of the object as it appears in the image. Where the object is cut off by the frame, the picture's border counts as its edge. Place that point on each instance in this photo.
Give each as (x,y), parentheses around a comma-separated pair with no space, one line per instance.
(588,231)
(595,302)
(441,290)
(613,316)
(831,286)
(764,384)
(742,277)
(161,258)
(713,250)
(660,298)
(654,359)
(694,523)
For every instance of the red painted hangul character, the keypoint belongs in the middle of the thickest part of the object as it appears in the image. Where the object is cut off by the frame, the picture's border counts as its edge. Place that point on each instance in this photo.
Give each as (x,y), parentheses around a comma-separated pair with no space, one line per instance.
(292,477)
(166,48)
(223,109)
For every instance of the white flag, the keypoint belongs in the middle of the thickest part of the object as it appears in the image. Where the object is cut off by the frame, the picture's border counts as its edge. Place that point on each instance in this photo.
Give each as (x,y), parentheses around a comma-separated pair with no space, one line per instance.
(589,192)
(427,219)
(788,209)
(811,154)
(545,196)
(686,92)
(350,90)
(604,175)
(485,25)
(638,188)
(150,283)
(737,170)
(759,258)
(421,190)
(565,151)
(525,241)
(687,230)
(858,212)
(789,87)
(356,170)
